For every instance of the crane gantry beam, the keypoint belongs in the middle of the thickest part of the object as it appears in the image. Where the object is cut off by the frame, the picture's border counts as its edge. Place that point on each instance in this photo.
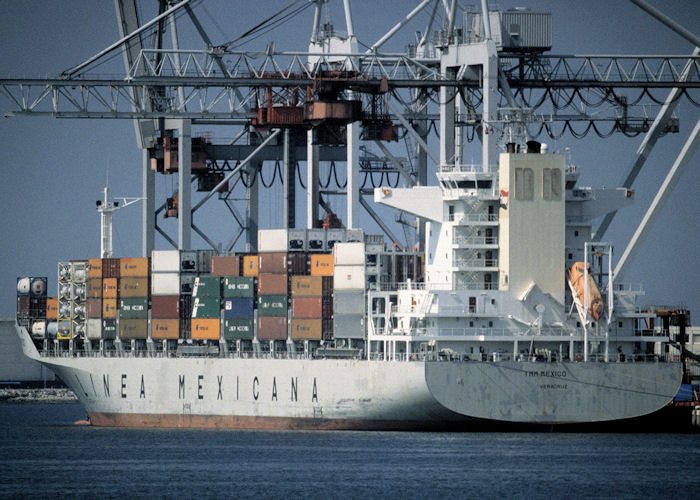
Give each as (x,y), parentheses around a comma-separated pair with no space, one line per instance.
(200,87)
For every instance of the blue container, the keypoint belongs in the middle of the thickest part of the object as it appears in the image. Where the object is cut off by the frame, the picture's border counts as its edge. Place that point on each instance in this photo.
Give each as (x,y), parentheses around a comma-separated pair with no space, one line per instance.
(685,393)
(238,308)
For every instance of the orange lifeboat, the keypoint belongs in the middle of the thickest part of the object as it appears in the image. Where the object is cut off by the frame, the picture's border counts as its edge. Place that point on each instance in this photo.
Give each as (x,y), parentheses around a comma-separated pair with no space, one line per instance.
(595,301)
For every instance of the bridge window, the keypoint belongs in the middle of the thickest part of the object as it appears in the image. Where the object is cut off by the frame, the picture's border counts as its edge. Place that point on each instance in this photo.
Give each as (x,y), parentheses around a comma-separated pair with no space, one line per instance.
(524,184)
(551,184)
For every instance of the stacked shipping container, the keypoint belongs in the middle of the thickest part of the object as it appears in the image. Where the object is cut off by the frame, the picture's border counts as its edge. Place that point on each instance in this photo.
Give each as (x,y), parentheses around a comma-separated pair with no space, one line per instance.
(312,307)
(349,290)
(72,299)
(32,305)
(170,310)
(133,298)
(206,308)
(272,295)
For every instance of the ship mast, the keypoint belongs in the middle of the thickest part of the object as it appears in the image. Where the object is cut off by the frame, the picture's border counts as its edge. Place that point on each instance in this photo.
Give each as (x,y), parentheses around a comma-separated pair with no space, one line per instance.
(106,209)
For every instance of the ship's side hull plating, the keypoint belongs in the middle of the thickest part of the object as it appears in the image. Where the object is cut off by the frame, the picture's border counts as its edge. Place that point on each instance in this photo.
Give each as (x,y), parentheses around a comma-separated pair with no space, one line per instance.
(553,393)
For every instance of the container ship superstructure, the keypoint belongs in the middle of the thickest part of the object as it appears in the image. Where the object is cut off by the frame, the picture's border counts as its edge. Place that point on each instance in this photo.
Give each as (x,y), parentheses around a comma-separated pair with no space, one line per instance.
(507,312)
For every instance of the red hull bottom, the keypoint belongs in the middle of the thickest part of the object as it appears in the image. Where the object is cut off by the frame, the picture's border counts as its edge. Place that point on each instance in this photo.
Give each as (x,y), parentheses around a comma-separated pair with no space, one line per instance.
(252,422)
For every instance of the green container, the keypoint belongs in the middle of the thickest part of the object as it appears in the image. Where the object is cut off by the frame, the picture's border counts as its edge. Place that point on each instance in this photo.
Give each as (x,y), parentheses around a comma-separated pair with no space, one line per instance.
(206,286)
(133,308)
(109,329)
(206,307)
(235,287)
(238,328)
(272,305)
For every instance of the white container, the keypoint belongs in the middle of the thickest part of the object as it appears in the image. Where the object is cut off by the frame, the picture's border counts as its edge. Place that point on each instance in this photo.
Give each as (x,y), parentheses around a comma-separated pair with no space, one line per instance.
(79,271)
(315,240)
(94,328)
(79,292)
(165,284)
(51,330)
(349,254)
(165,261)
(334,236)
(78,328)
(348,302)
(188,261)
(78,311)
(349,277)
(39,329)
(296,240)
(356,235)
(272,240)
(348,326)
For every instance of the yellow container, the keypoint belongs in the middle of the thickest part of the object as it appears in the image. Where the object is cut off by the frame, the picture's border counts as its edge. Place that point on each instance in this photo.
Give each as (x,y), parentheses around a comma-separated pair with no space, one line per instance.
(134,286)
(205,329)
(109,308)
(94,268)
(307,286)
(307,329)
(250,265)
(133,267)
(322,264)
(109,288)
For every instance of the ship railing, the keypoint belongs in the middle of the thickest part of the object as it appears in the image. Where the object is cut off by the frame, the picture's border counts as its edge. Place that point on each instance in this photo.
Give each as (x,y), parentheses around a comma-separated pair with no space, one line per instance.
(467,167)
(475,240)
(628,287)
(474,218)
(462,263)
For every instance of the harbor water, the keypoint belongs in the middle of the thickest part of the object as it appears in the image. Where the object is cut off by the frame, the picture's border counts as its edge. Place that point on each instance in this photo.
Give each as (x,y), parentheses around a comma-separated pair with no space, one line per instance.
(43,453)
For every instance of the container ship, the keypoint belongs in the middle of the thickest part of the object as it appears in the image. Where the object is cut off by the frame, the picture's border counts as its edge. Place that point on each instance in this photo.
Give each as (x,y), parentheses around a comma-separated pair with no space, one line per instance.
(506,313)
(510,316)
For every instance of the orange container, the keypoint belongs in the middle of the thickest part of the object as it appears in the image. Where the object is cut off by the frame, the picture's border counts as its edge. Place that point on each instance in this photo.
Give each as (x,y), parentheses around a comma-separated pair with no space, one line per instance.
(109,308)
(109,288)
(322,264)
(51,308)
(133,267)
(205,328)
(307,329)
(165,328)
(94,268)
(250,265)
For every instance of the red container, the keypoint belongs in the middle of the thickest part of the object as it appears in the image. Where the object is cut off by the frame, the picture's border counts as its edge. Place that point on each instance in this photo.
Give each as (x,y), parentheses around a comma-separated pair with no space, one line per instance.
(272,284)
(110,268)
(306,307)
(94,308)
(273,263)
(165,307)
(298,263)
(23,307)
(225,265)
(272,328)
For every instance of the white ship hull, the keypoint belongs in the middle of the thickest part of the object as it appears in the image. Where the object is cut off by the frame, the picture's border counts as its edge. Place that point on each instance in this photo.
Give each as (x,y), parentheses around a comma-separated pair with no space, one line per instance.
(356,394)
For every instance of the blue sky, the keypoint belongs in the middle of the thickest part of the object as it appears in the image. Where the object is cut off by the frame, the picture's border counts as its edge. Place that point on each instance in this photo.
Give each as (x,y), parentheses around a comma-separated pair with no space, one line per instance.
(55,169)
